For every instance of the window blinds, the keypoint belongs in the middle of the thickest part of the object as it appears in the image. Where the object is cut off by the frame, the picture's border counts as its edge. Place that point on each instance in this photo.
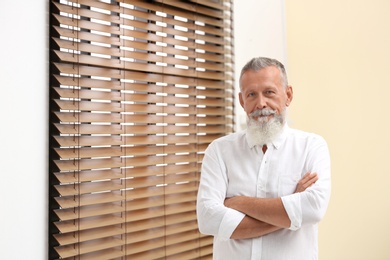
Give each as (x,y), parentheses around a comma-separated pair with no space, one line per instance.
(138,89)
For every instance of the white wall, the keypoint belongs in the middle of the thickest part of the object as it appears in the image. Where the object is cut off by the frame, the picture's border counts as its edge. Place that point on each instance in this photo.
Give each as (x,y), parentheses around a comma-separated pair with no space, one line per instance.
(259,31)
(23,106)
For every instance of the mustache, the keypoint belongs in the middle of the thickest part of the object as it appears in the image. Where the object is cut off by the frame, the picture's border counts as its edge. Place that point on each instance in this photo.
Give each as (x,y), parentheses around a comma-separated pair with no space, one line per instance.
(262,112)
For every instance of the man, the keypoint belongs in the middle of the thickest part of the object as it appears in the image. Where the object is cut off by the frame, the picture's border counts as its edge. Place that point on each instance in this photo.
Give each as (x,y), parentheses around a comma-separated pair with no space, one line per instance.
(264,190)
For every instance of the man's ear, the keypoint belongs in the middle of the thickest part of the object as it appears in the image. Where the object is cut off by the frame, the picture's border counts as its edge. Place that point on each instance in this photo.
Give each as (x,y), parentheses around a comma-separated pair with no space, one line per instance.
(290,94)
(241,100)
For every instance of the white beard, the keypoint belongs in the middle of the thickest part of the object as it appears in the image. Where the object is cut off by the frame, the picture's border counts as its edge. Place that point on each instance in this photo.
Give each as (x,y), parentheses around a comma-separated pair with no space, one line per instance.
(260,131)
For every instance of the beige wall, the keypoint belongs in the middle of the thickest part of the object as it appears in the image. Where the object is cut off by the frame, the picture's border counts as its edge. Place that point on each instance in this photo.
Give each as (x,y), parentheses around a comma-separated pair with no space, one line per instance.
(339,66)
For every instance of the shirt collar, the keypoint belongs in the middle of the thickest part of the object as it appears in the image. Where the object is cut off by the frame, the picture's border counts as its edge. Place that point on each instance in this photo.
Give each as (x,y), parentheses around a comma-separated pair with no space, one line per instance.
(277,142)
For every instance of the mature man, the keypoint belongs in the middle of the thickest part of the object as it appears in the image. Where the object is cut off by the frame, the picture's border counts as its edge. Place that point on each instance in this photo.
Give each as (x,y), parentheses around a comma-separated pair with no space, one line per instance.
(264,190)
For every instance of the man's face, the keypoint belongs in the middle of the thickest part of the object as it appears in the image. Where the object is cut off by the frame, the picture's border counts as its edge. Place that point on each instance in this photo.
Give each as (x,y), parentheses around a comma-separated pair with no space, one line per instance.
(264,89)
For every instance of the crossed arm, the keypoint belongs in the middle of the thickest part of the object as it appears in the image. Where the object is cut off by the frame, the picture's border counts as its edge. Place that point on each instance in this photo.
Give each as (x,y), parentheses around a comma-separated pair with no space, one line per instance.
(264,215)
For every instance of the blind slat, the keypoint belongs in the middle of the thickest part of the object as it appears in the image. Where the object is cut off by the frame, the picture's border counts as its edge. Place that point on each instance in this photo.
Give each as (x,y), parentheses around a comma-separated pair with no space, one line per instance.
(192,59)
(156,199)
(140,88)
(139,66)
(118,96)
(72,189)
(89,152)
(139,129)
(145,108)
(98,175)
(114,74)
(117,195)
(84,117)
(206,52)
(73,140)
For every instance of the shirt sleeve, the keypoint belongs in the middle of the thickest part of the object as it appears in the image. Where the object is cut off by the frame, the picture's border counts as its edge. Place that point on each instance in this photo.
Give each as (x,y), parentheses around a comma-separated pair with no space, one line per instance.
(213,217)
(309,206)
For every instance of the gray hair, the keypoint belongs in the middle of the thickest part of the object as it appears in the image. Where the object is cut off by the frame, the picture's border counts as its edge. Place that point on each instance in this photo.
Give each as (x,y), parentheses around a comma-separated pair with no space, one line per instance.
(259,63)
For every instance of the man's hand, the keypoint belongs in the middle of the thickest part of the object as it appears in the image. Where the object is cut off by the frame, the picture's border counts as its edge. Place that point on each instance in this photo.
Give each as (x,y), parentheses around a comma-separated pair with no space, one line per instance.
(307,180)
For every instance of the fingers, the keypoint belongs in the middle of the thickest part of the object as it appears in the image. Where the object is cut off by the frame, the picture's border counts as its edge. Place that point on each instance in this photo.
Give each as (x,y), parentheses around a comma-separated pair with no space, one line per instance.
(307,180)
(309,177)
(312,178)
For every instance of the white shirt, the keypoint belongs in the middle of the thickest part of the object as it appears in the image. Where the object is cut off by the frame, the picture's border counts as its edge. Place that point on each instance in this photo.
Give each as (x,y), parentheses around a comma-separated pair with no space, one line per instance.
(232,166)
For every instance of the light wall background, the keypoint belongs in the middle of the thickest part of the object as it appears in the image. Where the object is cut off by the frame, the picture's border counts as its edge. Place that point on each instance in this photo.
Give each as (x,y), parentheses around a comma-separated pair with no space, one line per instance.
(259,30)
(23,129)
(336,53)
(339,66)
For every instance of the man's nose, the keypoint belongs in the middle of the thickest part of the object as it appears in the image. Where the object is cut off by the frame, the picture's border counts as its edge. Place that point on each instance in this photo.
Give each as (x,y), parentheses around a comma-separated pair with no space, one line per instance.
(261,102)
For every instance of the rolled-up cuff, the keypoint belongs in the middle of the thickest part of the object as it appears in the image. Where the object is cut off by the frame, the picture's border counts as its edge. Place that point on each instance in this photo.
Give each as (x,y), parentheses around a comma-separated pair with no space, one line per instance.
(229,223)
(292,205)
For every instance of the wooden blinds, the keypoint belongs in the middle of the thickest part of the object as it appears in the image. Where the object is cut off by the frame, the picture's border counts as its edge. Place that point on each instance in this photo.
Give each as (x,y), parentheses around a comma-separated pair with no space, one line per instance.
(138,91)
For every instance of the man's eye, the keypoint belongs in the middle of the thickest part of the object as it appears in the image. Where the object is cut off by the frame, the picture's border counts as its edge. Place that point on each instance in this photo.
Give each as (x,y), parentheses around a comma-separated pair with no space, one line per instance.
(251,94)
